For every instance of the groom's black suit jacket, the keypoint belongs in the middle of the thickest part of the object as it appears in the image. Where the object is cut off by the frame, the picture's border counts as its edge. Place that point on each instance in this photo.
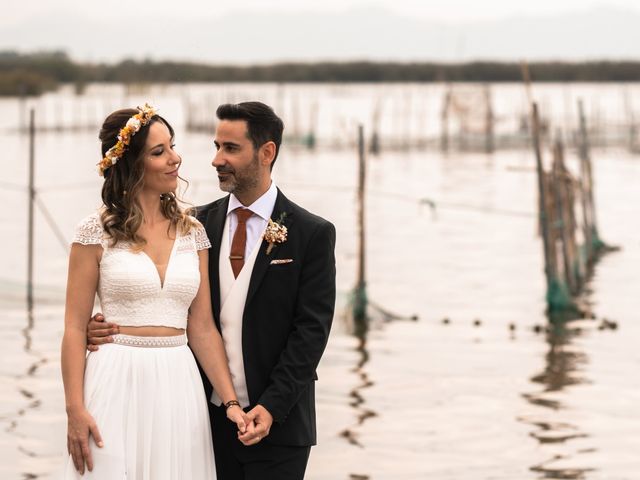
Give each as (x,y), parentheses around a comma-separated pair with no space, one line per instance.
(287,316)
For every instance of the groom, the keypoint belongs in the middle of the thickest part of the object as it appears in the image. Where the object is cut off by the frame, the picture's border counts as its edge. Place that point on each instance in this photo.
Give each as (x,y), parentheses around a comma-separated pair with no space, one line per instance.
(273,300)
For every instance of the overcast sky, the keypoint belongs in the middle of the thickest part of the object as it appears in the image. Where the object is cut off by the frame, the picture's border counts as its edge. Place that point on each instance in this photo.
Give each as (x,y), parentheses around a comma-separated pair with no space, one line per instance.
(264,31)
(446,10)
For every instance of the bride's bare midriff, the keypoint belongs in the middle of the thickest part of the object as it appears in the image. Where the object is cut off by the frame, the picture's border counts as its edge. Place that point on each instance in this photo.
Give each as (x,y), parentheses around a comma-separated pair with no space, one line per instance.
(152,331)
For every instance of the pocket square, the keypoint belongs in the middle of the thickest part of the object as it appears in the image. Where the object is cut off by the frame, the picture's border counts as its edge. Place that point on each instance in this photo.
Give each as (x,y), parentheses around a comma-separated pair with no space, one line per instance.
(281,261)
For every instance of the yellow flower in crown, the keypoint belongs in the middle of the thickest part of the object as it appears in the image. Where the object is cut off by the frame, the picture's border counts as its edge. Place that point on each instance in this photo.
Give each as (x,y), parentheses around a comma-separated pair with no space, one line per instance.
(133,125)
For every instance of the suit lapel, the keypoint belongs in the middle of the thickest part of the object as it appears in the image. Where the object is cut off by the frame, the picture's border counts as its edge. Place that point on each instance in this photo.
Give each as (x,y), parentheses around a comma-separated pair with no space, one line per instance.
(215,224)
(283,205)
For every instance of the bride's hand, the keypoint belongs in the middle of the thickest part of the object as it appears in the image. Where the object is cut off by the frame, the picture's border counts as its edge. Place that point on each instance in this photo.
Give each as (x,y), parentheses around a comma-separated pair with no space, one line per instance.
(237,416)
(81,425)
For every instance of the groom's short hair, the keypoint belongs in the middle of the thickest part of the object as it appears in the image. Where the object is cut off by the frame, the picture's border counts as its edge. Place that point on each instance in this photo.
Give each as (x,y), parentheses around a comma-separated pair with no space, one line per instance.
(263,125)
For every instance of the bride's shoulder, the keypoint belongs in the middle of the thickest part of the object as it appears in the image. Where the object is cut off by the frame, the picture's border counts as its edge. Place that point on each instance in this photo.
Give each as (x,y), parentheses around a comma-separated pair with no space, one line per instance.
(89,230)
(198,233)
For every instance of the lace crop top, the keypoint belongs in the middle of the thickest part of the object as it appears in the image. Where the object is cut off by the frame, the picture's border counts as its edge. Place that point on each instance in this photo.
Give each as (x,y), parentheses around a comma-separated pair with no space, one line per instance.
(129,287)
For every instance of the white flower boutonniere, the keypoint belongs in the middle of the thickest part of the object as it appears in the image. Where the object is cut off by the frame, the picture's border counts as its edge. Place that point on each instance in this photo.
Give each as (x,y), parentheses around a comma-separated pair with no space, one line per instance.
(275,233)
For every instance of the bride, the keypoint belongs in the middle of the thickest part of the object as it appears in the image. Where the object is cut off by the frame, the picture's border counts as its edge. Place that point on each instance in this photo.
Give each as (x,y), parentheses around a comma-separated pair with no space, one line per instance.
(136,408)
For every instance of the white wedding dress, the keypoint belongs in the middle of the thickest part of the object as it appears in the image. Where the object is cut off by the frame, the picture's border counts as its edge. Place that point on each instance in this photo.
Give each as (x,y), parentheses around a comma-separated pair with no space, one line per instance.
(145,393)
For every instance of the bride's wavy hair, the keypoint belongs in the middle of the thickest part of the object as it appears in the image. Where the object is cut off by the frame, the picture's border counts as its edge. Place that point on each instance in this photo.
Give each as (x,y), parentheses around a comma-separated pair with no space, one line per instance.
(122,214)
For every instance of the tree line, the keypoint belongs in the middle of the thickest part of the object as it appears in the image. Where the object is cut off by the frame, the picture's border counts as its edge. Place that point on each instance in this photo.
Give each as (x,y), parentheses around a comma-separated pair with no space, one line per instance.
(35,73)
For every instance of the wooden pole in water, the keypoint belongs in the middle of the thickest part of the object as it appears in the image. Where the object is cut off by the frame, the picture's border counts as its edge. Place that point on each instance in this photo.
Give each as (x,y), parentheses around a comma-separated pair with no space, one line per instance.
(577,270)
(406,144)
(58,110)
(488,127)
(584,187)
(559,294)
(632,131)
(587,173)
(22,108)
(32,197)
(374,147)
(542,201)
(311,139)
(360,295)
(562,186)
(444,119)
(295,114)
(526,77)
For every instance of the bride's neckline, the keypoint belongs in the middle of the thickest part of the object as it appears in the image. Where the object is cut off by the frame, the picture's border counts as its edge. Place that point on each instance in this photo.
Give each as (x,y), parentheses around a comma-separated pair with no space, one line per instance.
(163,278)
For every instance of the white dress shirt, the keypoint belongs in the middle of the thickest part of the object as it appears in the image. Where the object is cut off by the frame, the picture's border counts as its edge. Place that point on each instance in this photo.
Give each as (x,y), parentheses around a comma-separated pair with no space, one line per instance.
(262,209)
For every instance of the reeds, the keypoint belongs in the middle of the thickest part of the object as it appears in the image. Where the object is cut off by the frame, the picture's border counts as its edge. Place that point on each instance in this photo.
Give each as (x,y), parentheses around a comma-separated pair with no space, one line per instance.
(567,216)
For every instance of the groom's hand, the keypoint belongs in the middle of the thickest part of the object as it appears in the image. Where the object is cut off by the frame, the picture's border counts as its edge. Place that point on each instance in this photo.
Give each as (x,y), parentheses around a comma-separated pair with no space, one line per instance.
(262,420)
(99,332)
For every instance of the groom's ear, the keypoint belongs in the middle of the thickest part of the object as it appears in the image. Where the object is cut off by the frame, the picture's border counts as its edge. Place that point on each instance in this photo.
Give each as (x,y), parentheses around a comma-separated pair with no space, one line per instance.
(267,153)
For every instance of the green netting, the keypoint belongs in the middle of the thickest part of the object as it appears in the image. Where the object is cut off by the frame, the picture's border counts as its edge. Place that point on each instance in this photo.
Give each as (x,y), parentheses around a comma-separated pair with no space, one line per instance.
(596,242)
(309,140)
(359,303)
(559,297)
(578,268)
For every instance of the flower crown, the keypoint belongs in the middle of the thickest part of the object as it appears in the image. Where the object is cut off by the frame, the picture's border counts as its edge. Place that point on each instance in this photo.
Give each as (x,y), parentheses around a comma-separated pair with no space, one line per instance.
(133,125)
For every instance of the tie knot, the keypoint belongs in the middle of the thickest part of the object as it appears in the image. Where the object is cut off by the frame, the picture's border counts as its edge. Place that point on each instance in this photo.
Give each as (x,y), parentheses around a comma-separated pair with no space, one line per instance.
(243,214)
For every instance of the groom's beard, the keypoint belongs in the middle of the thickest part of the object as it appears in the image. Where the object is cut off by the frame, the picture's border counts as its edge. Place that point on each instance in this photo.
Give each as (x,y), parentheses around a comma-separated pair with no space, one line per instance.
(240,180)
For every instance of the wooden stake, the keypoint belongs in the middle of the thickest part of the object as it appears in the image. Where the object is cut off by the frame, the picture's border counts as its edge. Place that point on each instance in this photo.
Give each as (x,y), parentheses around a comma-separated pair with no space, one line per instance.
(563,200)
(587,174)
(488,127)
(549,261)
(444,118)
(30,224)
(360,296)
(585,188)
(374,147)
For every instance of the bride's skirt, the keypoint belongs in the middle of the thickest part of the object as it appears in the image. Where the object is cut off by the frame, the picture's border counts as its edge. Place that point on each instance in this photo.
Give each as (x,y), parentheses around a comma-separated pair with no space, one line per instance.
(149,404)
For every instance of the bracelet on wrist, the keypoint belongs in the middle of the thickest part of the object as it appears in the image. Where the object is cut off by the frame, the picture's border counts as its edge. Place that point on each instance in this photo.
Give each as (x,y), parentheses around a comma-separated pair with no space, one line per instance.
(231,403)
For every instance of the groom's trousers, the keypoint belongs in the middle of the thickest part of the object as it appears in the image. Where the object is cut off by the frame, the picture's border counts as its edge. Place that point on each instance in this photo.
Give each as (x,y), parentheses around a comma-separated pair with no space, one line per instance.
(262,461)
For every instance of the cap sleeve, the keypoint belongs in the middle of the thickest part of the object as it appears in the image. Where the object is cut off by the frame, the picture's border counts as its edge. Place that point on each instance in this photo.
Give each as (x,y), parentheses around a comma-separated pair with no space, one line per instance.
(200,236)
(89,231)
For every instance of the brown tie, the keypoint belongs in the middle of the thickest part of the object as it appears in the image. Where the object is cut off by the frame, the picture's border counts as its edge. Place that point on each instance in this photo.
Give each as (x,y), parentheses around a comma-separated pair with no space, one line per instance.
(239,242)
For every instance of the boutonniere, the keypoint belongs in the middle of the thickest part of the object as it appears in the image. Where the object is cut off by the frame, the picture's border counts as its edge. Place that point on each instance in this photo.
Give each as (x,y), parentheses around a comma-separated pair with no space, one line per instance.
(276,232)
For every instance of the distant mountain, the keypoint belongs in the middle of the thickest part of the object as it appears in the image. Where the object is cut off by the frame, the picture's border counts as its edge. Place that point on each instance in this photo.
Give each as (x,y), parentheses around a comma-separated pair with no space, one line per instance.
(359,34)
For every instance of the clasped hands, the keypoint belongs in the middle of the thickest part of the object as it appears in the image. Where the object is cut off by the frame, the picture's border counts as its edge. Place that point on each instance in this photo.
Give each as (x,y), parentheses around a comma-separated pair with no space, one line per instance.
(253,426)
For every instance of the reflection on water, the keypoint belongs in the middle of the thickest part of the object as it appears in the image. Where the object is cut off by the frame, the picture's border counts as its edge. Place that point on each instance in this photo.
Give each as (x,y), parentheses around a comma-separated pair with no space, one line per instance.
(564,367)
(28,399)
(26,331)
(360,325)
(356,395)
